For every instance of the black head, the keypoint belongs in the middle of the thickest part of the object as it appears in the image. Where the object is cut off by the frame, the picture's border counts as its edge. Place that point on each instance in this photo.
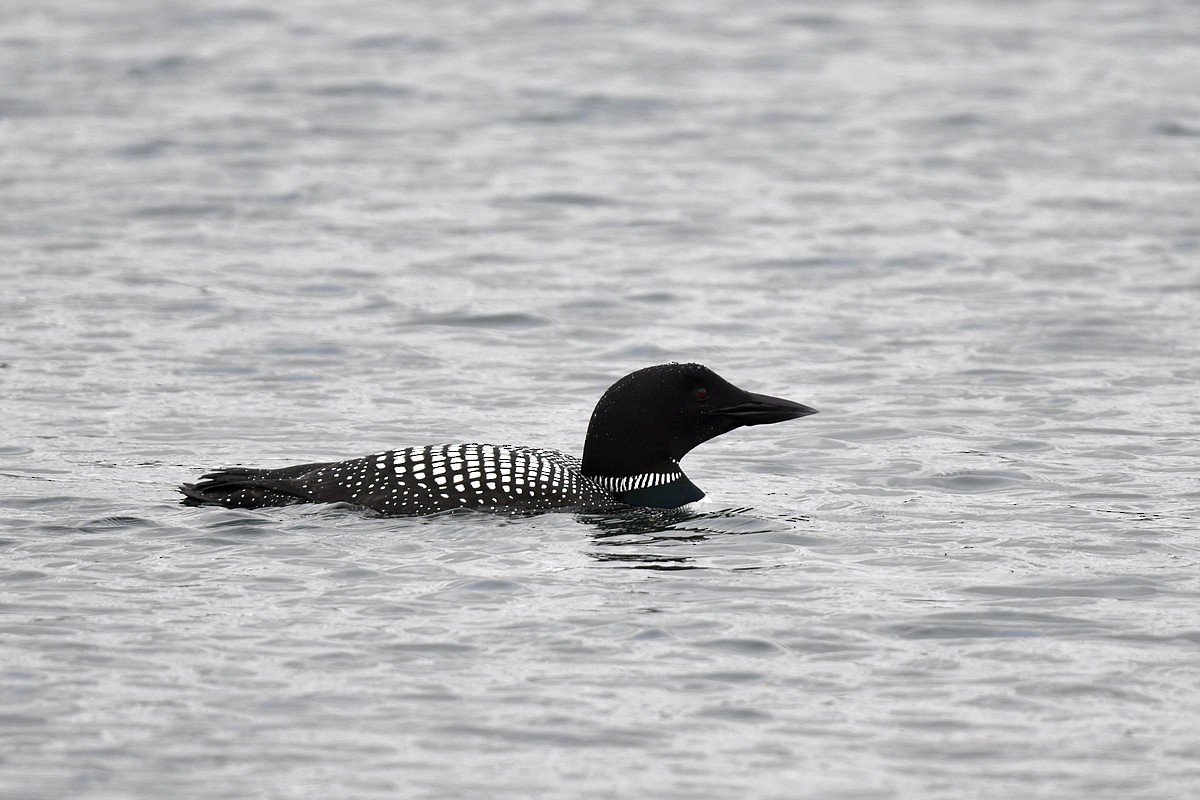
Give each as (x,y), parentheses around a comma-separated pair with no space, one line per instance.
(653,417)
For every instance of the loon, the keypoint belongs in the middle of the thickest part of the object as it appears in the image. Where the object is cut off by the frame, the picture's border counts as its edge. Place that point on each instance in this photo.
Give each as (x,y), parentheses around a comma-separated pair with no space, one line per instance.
(641,427)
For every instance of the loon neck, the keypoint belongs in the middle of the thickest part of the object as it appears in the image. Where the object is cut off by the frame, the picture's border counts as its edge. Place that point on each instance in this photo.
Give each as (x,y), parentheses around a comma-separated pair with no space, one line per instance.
(662,486)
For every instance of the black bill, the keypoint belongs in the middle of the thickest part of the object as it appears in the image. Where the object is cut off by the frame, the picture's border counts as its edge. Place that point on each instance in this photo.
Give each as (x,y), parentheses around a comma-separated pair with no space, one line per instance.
(761,409)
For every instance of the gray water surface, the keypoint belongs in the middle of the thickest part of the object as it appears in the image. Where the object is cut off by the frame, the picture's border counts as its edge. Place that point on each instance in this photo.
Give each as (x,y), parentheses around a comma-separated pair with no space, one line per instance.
(265,233)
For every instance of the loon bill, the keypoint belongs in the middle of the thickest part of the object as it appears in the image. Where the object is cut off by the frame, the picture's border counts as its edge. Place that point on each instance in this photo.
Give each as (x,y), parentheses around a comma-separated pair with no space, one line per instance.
(641,427)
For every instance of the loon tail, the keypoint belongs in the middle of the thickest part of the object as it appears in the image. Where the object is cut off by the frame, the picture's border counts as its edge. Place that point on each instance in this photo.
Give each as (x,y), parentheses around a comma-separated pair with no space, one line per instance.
(239,487)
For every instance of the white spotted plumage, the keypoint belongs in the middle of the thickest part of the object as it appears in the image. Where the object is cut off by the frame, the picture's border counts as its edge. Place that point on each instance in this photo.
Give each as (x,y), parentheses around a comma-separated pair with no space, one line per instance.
(423,480)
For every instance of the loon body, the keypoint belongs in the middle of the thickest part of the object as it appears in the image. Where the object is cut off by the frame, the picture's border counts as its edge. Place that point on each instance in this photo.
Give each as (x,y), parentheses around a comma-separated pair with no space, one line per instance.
(641,427)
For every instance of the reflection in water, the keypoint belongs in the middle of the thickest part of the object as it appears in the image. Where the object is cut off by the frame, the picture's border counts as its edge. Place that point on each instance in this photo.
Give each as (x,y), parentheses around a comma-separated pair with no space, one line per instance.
(648,560)
(639,537)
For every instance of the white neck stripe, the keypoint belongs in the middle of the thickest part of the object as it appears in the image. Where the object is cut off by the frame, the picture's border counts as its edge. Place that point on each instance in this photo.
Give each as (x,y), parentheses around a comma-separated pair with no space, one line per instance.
(631,482)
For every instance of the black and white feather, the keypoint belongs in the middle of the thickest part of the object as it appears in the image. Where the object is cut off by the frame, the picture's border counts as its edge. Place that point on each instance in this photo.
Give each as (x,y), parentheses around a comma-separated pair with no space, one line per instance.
(419,480)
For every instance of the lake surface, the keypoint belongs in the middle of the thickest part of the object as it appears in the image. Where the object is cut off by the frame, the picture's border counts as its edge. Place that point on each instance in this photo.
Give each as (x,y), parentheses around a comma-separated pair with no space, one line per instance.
(265,233)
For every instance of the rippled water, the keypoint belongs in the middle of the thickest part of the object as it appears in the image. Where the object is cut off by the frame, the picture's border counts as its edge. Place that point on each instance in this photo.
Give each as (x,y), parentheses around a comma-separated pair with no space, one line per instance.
(265,233)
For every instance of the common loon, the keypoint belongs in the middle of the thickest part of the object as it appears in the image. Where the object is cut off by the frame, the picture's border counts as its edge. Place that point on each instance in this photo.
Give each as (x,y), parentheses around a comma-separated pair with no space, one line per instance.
(641,427)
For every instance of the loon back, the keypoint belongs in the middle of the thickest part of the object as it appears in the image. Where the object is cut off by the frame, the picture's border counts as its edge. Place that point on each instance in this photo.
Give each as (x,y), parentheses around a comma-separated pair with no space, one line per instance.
(415,481)
(641,427)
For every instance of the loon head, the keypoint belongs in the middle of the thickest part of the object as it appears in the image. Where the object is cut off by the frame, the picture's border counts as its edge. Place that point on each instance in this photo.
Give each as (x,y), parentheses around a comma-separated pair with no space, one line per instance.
(650,419)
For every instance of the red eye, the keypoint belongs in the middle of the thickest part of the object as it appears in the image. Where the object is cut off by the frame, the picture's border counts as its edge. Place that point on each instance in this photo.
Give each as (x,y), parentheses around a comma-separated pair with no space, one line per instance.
(702,393)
